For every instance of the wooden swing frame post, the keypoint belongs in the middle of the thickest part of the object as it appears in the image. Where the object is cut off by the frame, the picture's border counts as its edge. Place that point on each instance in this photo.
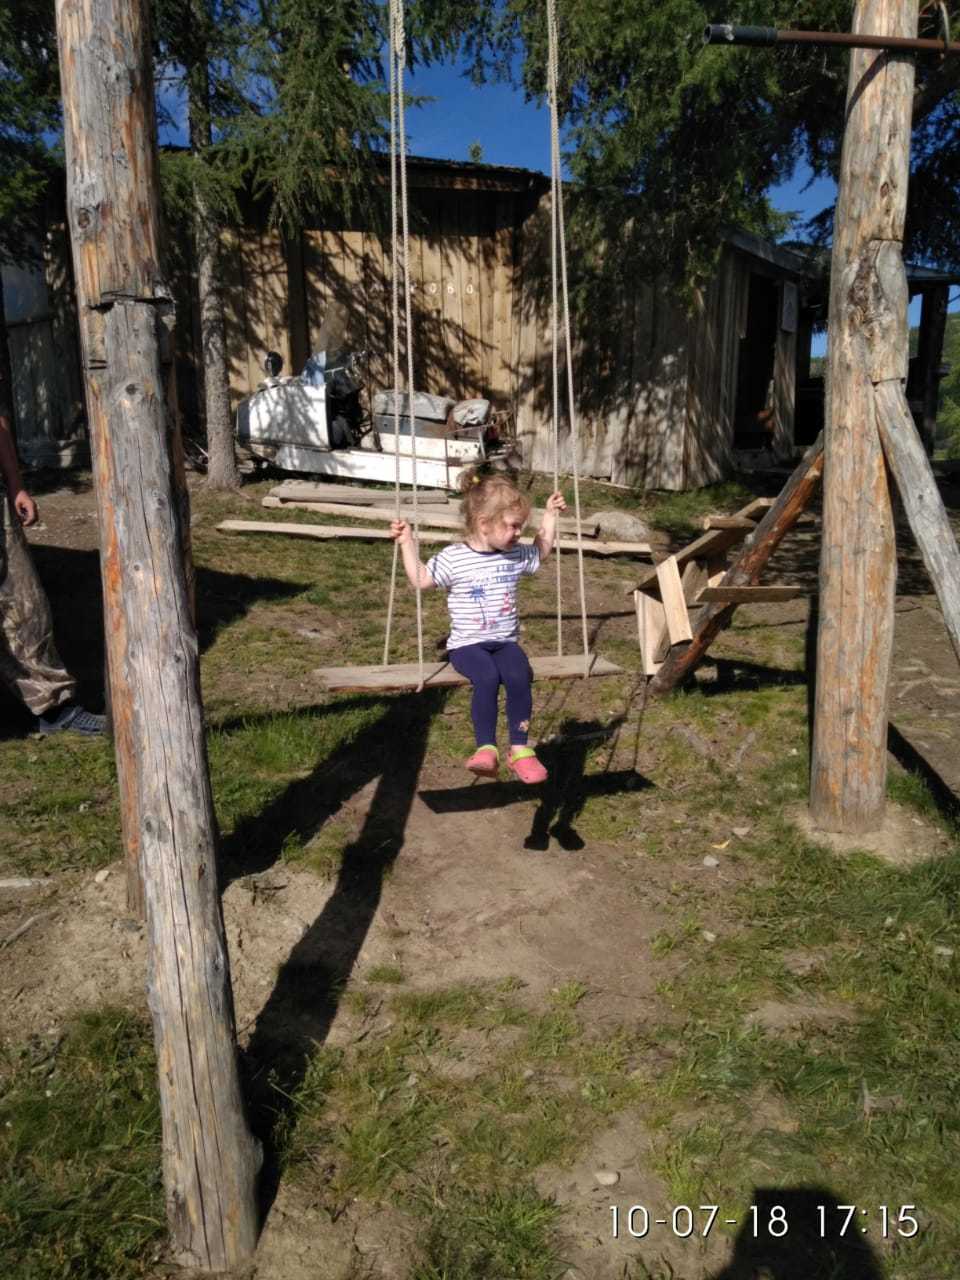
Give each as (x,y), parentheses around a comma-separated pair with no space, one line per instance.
(869,433)
(210,1159)
(867,351)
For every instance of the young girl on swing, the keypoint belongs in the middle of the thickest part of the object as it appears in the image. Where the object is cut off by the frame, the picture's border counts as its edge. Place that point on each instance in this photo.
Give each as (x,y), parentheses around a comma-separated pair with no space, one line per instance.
(480,576)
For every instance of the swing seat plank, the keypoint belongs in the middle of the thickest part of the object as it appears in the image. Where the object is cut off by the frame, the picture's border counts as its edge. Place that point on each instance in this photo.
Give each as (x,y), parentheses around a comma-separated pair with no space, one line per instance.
(406,675)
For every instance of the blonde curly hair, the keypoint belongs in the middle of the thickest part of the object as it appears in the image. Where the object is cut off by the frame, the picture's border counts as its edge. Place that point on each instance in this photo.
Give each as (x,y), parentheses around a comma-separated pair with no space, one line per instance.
(489,497)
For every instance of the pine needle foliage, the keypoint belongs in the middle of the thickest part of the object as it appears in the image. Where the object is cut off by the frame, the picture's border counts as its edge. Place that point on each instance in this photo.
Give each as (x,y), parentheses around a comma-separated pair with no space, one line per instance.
(671,141)
(29,119)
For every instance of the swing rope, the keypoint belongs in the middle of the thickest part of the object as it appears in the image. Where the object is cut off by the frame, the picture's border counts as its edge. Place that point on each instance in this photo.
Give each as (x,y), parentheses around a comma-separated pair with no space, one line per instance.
(558,253)
(400,238)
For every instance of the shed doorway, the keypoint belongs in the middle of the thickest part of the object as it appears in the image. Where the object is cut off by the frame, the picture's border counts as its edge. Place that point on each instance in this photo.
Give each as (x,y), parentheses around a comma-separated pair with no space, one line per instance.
(754,415)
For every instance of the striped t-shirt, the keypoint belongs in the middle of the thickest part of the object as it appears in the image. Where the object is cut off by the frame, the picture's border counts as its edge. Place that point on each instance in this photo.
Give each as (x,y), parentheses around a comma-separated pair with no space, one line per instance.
(481,590)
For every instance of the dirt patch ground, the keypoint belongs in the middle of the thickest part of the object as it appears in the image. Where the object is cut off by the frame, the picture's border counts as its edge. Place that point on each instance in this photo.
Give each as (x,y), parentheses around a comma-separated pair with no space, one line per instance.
(484,884)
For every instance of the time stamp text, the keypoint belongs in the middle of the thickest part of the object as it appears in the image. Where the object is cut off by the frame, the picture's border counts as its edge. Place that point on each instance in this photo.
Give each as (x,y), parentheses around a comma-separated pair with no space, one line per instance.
(828,1221)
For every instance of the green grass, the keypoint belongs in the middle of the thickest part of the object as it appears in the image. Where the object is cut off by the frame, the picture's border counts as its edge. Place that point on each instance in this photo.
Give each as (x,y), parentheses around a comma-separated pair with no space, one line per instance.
(899,1043)
(909,789)
(58,807)
(80,1194)
(493,1234)
(679,514)
(453,1102)
(385,974)
(451,1113)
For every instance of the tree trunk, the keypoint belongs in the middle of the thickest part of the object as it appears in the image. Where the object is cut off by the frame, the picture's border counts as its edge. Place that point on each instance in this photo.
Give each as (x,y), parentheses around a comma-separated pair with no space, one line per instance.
(221,453)
(868,344)
(222,470)
(209,1156)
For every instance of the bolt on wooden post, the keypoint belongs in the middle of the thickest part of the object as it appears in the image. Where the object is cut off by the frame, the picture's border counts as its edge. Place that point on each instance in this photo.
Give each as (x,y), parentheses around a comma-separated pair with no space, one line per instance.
(868,347)
(209,1157)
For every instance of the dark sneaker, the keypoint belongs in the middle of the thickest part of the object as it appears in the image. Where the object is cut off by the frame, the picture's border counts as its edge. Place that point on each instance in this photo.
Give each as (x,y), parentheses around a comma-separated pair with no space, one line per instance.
(73,719)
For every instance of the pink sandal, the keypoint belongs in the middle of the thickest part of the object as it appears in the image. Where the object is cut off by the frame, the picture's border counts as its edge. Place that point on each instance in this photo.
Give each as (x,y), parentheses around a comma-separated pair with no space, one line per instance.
(524,763)
(485,762)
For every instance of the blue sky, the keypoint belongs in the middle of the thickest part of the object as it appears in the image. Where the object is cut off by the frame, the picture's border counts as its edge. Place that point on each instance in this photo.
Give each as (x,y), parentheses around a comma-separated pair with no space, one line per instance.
(513,131)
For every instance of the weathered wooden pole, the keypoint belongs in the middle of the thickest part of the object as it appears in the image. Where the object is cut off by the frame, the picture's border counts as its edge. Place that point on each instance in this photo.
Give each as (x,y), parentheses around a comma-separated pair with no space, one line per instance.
(868,346)
(209,1157)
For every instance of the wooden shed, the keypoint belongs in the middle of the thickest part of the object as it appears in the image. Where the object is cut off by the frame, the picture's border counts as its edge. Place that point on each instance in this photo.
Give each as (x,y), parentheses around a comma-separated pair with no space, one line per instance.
(672,393)
(666,391)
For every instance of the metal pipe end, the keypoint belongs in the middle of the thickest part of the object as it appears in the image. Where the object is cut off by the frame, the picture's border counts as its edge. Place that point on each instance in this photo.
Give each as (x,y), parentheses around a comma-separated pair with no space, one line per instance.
(727,33)
(718,33)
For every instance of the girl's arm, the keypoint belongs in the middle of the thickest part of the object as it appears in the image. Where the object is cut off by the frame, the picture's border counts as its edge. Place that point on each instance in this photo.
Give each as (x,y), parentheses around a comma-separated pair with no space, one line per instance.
(416,571)
(547,533)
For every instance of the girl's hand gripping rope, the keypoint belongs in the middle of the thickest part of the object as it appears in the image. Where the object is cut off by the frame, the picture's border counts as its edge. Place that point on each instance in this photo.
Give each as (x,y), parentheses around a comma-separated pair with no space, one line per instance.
(547,533)
(415,570)
(401,532)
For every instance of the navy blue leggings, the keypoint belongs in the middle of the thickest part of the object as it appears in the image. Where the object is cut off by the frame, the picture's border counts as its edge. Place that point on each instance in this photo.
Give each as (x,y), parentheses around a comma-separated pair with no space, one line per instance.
(487,666)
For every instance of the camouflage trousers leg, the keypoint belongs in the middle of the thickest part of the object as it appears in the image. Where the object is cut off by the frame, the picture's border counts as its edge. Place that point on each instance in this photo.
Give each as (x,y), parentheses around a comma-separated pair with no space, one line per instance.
(29,662)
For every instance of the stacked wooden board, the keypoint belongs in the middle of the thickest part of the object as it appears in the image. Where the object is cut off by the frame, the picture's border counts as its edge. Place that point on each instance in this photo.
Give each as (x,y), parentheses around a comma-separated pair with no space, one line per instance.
(439,521)
(666,594)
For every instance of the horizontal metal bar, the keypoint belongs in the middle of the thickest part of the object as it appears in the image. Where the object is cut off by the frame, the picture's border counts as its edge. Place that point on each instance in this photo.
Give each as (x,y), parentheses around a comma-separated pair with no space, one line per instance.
(727,33)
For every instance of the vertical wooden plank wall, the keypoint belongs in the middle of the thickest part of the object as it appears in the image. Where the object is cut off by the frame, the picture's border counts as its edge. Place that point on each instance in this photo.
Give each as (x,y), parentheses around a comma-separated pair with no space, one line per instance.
(453,341)
(43,340)
(45,409)
(711,381)
(64,331)
(275,290)
(296,302)
(462,263)
(234,315)
(631,464)
(525,368)
(430,369)
(734,323)
(632,388)
(655,409)
(624,409)
(497,341)
(379,299)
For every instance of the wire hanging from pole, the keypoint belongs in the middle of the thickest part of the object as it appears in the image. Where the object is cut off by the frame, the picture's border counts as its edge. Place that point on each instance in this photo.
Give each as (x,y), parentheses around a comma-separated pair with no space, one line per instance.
(400,238)
(559,253)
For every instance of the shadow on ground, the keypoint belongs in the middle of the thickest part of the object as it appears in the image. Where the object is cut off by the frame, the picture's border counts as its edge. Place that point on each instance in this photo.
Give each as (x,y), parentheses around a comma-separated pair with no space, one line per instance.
(71,579)
(803,1233)
(299,1011)
(561,798)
